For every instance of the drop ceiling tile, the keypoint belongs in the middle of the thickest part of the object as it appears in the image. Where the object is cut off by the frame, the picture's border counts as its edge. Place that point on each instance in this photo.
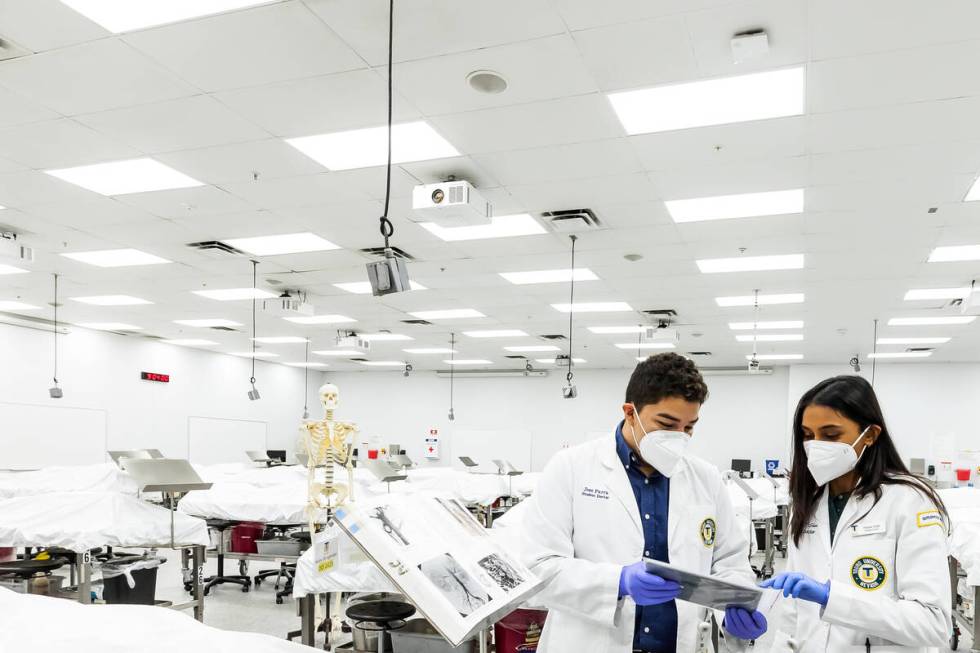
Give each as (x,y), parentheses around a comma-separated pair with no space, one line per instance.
(616,215)
(582,193)
(785,22)
(323,188)
(187,123)
(638,53)
(436,27)
(10,166)
(27,188)
(319,105)
(580,14)
(15,109)
(94,213)
(247,48)
(561,162)
(759,140)
(186,202)
(41,25)
(539,69)
(239,162)
(839,28)
(461,167)
(90,77)
(728,179)
(554,122)
(60,143)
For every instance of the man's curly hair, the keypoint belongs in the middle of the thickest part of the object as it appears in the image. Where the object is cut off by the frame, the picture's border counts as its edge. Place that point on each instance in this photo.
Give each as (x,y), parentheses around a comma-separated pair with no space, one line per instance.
(665,375)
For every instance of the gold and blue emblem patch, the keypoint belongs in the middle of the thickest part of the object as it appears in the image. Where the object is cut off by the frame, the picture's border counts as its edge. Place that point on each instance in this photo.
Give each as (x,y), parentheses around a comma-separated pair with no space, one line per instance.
(868,573)
(708,531)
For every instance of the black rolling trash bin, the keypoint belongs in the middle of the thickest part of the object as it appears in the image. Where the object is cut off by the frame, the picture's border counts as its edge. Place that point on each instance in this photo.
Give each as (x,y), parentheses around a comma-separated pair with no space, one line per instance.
(130,579)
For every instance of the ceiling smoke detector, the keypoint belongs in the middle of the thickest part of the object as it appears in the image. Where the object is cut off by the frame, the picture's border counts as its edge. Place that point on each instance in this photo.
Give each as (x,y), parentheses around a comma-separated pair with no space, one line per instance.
(486,81)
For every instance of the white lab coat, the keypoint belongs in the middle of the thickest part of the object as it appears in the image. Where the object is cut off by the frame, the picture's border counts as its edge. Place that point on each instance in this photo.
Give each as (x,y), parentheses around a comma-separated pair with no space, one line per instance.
(908,610)
(582,525)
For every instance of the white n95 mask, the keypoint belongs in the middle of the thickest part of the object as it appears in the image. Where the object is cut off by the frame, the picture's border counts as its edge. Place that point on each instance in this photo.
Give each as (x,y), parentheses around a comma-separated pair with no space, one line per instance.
(829,460)
(664,450)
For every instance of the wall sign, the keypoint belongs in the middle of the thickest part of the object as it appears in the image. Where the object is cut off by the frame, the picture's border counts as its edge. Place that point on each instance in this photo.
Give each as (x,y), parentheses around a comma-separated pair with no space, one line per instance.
(155,376)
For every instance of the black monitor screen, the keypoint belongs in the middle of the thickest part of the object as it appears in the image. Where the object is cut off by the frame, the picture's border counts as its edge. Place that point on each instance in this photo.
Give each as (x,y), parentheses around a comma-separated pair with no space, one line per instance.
(741,465)
(276,454)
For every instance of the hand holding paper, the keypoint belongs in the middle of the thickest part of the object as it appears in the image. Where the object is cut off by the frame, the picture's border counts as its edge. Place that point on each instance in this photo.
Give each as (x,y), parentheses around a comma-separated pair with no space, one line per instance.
(646,588)
(745,624)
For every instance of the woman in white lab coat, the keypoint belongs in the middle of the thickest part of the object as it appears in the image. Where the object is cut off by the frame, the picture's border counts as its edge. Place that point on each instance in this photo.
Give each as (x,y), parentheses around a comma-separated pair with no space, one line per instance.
(867,539)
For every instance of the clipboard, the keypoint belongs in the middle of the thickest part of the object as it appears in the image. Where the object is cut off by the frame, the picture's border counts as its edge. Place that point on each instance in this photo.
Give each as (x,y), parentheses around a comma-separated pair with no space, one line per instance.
(708,591)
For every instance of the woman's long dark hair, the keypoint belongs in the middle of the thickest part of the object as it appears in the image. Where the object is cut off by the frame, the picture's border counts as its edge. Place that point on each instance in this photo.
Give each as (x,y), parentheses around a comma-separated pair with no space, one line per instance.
(854,398)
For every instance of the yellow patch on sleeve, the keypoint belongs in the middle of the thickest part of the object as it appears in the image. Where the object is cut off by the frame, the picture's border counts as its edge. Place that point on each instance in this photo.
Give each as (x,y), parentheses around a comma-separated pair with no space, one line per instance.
(929,518)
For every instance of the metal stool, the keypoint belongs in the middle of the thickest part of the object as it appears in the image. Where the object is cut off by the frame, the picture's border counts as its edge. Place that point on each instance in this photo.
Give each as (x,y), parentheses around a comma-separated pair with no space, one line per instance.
(381,617)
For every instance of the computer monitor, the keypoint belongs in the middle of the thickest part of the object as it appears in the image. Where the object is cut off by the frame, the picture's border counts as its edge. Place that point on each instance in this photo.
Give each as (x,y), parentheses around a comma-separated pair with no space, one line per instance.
(469,462)
(741,465)
(276,454)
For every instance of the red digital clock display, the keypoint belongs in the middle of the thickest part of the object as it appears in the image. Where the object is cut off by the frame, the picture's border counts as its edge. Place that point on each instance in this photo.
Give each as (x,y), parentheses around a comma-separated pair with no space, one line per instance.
(153,376)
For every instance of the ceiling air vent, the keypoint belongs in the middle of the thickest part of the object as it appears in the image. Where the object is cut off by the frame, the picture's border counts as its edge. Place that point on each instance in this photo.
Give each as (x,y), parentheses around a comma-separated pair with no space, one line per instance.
(920,349)
(216,249)
(375,252)
(553,336)
(572,220)
(699,353)
(222,328)
(358,360)
(417,322)
(516,357)
(10,50)
(661,312)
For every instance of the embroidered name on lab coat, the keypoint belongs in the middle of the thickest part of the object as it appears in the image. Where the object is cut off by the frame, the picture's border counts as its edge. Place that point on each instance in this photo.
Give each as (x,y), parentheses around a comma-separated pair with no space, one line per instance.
(810,529)
(594,493)
(929,518)
(868,573)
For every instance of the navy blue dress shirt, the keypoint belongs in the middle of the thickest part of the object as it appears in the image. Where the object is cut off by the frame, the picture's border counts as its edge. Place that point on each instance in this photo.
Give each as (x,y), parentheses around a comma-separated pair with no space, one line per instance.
(656,625)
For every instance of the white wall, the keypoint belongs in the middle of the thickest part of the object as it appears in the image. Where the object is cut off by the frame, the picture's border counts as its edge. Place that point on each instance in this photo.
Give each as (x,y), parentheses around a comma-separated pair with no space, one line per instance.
(526,419)
(930,409)
(99,373)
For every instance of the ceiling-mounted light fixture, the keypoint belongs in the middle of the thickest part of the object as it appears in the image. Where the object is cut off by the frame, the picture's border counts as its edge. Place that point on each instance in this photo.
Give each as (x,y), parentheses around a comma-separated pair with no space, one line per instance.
(569,391)
(389,275)
(253,394)
(452,375)
(55,392)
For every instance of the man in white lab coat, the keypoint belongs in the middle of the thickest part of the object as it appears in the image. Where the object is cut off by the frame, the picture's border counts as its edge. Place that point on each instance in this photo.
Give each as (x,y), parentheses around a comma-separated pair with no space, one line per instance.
(602,506)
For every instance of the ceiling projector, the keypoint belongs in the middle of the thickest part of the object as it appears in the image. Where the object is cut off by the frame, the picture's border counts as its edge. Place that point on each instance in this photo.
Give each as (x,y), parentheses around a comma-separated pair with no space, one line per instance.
(454,203)
(662,334)
(350,340)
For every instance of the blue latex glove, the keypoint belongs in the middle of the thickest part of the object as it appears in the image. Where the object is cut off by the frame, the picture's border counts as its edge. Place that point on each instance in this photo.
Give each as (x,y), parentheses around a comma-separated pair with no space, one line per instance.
(799,586)
(744,624)
(644,587)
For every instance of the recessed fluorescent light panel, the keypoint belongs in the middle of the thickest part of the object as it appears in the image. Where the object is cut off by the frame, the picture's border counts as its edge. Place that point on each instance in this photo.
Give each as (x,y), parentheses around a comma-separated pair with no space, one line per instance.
(496,333)
(127,15)
(913,341)
(320,319)
(775,357)
(430,350)
(955,253)
(726,207)
(383,363)
(111,300)
(549,276)
(974,192)
(364,148)
(190,342)
(751,263)
(504,226)
(770,337)
(10,269)
(233,294)
(338,352)
(364,287)
(931,321)
(109,326)
(937,293)
(617,330)
(17,306)
(116,258)
(124,177)
(645,345)
(281,244)
(280,340)
(208,323)
(901,354)
(761,326)
(764,300)
(474,361)
(593,307)
(532,348)
(759,96)
(254,354)
(450,314)
(384,337)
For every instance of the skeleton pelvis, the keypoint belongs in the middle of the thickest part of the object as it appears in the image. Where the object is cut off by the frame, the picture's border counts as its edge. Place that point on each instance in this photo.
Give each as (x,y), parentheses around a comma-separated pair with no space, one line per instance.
(325,496)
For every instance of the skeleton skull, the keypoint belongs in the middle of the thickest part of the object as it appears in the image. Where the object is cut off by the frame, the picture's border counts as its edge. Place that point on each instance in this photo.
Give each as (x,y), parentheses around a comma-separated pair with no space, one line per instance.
(329,396)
